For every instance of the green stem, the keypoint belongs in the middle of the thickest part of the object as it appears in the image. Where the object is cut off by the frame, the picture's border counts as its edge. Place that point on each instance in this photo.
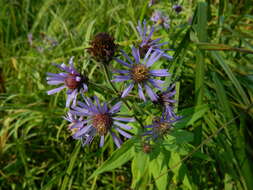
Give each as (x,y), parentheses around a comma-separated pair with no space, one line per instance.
(107,76)
(71,165)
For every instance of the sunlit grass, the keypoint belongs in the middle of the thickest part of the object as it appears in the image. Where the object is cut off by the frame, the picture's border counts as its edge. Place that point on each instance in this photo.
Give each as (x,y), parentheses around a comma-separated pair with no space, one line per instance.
(215,94)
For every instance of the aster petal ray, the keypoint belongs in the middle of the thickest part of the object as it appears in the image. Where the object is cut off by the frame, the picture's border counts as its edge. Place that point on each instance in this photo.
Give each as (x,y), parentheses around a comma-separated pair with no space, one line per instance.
(160,73)
(55,90)
(124,126)
(127,90)
(150,92)
(125,134)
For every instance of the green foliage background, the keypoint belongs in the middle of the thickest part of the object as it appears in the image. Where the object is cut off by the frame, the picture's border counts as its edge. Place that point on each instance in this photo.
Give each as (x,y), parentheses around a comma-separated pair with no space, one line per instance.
(212,68)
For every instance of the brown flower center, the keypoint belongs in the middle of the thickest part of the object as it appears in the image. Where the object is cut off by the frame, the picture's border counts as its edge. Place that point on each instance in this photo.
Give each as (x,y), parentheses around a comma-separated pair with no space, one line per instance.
(71,81)
(162,127)
(102,122)
(139,73)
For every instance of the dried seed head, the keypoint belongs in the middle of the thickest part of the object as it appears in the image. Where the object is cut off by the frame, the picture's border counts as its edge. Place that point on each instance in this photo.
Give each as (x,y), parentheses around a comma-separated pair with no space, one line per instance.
(102,47)
(102,122)
(139,73)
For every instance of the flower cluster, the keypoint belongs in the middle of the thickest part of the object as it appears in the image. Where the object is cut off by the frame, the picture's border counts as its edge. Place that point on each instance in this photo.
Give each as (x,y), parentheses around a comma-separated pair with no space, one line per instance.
(89,117)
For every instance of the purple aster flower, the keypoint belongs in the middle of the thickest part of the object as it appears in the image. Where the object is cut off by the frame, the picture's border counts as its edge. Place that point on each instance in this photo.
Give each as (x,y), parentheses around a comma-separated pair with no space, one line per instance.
(75,124)
(166,99)
(147,42)
(99,120)
(160,127)
(160,19)
(177,8)
(71,79)
(140,74)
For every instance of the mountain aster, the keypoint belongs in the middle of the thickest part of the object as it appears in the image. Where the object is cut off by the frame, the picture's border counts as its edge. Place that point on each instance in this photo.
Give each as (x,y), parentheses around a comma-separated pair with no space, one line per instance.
(160,127)
(139,73)
(99,120)
(70,79)
(160,19)
(147,42)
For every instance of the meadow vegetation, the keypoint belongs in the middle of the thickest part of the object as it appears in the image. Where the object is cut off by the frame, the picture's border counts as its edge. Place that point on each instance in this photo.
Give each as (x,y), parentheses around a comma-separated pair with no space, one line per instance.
(212,43)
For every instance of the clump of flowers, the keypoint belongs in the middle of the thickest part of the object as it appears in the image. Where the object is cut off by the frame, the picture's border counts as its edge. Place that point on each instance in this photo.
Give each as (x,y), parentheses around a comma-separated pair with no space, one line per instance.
(89,118)
(160,19)
(140,74)
(99,120)
(70,79)
(147,42)
(102,47)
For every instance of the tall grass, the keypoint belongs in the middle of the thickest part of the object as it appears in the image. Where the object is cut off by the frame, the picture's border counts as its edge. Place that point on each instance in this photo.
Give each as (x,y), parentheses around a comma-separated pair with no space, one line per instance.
(212,68)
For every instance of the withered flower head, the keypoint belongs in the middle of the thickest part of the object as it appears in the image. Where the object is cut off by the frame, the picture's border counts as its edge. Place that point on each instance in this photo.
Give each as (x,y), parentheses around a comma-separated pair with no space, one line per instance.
(102,47)
(166,100)
(160,127)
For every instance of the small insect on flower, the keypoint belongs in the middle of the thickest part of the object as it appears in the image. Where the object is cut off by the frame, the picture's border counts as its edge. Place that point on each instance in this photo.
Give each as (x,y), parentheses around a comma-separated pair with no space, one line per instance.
(147,42)
(140,74)
(161,127)
(70,79)
(102,47)
(160,19)
(100,120)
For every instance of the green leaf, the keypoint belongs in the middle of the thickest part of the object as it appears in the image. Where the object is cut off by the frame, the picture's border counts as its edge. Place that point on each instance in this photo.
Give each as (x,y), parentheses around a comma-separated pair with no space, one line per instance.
(191,115)
(118,158)
(231,76)
(140,165)
(182,136)
(71,165)
(158,169)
